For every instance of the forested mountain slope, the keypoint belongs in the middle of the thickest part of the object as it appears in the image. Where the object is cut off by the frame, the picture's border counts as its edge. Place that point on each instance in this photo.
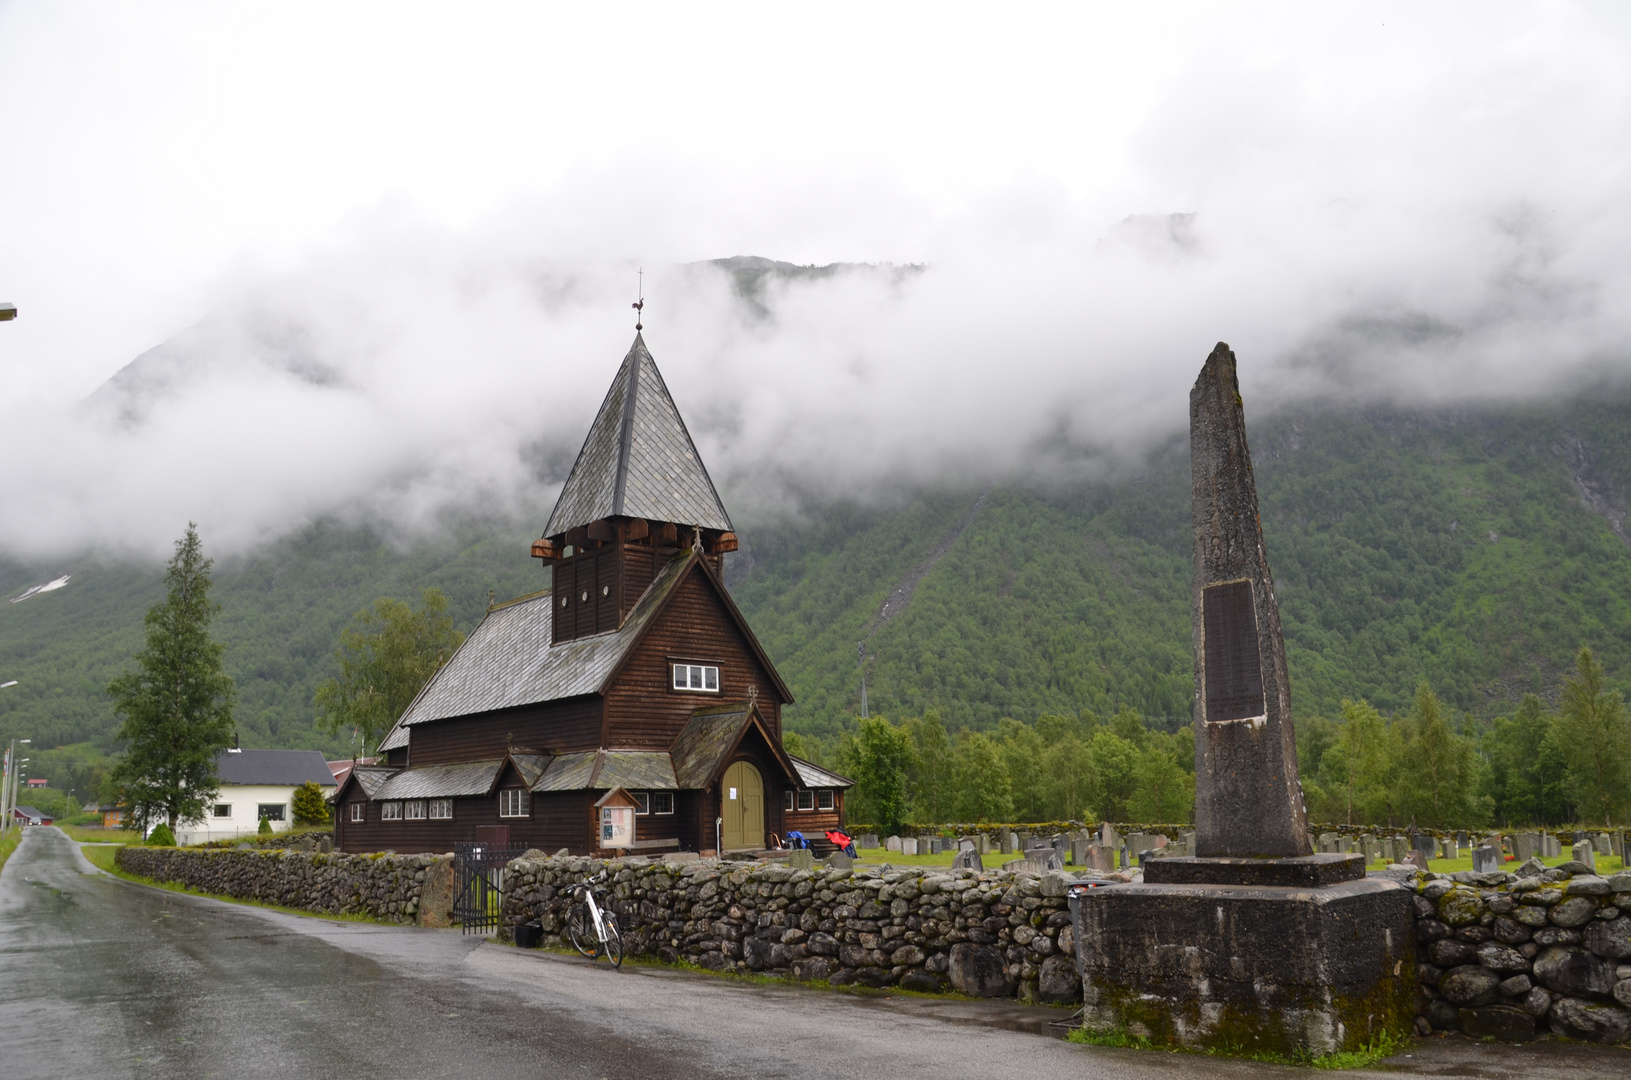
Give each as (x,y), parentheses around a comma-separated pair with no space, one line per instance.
(1475,549)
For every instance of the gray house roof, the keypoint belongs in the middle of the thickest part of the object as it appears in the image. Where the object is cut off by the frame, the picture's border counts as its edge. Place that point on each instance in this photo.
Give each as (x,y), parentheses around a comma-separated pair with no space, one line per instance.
(639,460)
(292,767)
(507,660)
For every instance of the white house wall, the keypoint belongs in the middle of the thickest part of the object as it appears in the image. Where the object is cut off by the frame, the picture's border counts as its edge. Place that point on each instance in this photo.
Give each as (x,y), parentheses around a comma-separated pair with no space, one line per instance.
(245,800)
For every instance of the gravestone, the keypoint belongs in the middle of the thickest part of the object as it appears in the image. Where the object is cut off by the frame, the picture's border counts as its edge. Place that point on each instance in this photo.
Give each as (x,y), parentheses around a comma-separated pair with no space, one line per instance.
(1417,858)
(867,840)
(1525,846)
(1584,853)
(1328,841)
(326,845)
(1461,839)
(1255,906)
(1552,847)
(925,845)
(908,845)
(1345,845)
(1078,852)
(1005,842)
(801,859)
(1099,857)
(839,861)
(1108,836)
(967,859)
(1423,842)
(1448,850)
(1603,844)
(892,844)
(1485,860)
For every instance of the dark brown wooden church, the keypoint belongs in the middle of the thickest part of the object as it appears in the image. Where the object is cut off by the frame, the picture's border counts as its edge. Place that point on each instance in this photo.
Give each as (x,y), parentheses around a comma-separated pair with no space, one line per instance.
(633,684)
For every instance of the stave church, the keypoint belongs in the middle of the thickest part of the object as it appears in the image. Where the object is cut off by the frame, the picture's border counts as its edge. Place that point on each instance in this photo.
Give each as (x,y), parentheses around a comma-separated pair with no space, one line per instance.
(626,709)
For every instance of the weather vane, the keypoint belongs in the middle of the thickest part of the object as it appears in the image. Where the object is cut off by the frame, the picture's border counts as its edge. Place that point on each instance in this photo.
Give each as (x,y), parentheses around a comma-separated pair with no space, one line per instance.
(640,304)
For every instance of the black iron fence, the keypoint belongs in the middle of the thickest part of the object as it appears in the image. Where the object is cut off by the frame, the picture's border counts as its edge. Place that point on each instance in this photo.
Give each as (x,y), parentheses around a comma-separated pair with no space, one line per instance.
(478,872)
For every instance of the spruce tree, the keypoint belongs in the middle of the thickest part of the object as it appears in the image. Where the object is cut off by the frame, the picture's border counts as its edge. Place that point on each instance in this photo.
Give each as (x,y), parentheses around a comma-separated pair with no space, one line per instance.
(1595,735)
(177,703)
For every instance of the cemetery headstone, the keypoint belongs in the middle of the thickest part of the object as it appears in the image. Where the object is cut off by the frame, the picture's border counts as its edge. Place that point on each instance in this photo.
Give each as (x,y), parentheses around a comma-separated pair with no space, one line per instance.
(839,861)
(967,859)
(1422,842)
(1328,841)
(1603,844)
(1582,852)
(326,846)
(867,840)
(1417,858)
(801,859)
(1100,857)
(1525,846)
(1485,860)
(1078,852)
(1006,842)
(892,844)
(1108,836)
(908,845)
(1553,846)
(1461,839)
(925,844)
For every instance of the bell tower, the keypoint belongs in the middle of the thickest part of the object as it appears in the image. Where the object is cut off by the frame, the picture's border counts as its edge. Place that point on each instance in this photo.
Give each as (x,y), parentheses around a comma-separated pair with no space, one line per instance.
(638,496)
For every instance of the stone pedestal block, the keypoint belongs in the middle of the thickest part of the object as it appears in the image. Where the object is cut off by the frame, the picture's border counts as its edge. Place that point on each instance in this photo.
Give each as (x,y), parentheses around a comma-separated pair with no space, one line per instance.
(1293,971)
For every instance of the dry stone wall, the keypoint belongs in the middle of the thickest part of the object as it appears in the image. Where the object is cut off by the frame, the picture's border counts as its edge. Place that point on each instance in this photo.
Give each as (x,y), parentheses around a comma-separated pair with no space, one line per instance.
(1510,956)
(990,934)
(411,889)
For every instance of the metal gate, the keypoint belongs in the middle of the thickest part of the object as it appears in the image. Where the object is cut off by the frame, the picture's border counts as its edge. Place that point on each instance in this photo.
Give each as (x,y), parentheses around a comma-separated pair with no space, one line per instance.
(478,871)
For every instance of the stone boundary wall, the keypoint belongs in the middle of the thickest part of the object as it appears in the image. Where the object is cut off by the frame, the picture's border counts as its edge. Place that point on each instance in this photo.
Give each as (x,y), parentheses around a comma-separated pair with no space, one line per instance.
(990,934)
(1511,955)
(408,889)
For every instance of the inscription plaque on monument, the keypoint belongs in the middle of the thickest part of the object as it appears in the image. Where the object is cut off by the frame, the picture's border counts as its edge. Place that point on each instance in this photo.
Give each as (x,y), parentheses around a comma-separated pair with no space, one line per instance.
(1234,671)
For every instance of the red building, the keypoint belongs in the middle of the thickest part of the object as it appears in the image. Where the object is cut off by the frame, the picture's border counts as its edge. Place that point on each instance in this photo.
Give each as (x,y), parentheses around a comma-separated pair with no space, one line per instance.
(634,672)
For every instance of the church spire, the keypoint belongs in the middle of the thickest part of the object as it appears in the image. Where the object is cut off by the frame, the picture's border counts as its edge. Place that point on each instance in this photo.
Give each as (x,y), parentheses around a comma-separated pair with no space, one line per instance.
(639,460)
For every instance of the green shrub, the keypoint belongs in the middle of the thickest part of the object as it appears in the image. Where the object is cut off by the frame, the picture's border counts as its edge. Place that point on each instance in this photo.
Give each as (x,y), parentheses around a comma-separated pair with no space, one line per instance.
(161,836)
(310,807)
(265,828)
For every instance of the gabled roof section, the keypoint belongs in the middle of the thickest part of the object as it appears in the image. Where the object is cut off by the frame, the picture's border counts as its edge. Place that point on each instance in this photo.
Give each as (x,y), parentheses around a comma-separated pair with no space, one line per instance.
(273,767)
(812,775)
(600,769)
(639,460)
(370,778)
(713,733)
(507,659)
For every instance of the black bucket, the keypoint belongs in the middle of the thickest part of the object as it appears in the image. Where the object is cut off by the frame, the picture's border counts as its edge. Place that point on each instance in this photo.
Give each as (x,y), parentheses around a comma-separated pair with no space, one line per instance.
(529,935)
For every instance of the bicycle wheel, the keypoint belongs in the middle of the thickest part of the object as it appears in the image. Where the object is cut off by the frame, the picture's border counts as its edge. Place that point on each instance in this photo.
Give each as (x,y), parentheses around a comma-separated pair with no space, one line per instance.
(614,942)
(580,930)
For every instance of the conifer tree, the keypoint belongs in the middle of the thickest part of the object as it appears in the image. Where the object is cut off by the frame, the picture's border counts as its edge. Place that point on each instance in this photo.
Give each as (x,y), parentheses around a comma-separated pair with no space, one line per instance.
(177,703)
(1596,740)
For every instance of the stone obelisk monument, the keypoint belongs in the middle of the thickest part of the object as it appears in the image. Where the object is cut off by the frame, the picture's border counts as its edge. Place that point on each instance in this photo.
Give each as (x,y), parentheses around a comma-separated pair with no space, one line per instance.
(1248,800)
(1254,943)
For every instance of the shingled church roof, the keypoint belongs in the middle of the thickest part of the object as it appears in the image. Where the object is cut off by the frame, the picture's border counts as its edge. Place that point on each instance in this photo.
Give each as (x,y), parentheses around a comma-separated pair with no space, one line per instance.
(638,460)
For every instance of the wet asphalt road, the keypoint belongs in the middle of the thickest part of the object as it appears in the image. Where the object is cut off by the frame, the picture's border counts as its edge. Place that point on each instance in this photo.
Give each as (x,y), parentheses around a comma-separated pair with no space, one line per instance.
(102,978)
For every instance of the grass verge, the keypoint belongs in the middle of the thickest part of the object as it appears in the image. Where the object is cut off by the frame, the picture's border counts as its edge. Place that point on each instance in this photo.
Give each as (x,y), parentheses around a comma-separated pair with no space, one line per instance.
(8,844)
(1382,1046)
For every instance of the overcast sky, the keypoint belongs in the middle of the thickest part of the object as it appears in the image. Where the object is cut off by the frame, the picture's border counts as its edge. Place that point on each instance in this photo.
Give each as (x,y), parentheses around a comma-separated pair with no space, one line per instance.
(389,250)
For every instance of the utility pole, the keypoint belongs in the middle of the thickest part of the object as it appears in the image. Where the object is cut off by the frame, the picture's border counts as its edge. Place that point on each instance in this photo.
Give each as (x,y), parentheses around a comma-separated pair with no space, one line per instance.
(8,789)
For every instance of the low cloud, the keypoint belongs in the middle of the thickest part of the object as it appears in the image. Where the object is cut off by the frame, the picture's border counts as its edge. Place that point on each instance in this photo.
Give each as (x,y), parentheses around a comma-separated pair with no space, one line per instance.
(1363,221)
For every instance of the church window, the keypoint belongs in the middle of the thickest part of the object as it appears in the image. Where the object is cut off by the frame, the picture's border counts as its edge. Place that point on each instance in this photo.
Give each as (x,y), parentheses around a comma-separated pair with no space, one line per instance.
(662,802)
(441,809)
(806,800)
(512,802)
(414,810)
(696,678)
(642,802)
(825,798)
(359,812)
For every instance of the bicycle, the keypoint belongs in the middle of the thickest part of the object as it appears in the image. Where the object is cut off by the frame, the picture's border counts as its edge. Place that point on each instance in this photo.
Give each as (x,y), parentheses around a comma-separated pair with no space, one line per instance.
(590,924)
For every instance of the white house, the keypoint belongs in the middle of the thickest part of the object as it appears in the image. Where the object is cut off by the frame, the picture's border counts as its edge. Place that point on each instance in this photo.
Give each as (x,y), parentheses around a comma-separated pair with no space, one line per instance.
(257,784)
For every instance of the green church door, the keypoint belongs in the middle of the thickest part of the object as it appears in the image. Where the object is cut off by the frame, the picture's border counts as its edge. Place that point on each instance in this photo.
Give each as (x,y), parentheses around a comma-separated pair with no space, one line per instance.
(743,797)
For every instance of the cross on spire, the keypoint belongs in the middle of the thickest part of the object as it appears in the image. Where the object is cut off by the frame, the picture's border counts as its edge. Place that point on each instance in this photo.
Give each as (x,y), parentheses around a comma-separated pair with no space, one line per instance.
(639,305)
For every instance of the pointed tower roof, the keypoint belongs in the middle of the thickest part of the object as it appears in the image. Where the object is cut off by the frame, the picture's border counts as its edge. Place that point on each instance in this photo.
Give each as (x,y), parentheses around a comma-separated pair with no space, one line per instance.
(638,460)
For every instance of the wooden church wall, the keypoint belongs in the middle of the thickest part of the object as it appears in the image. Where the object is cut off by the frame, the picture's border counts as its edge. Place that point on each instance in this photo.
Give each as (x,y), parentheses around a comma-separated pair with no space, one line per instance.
(644,712)
(553,727)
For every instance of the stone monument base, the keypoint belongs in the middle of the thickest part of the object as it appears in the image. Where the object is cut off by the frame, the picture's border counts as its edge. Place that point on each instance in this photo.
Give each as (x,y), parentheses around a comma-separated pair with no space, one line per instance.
(1299,972)
(1306,872)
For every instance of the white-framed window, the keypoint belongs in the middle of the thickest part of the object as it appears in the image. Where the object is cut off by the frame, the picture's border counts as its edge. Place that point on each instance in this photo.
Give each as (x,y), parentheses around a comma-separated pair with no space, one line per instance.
(440,809)
(223,809)
(642,802)
(270,811)
(359,812)
(824,798)
(390,811)
(512,802)
(806,800)
(662,802)
(414,810)
(787,799)
(696,678)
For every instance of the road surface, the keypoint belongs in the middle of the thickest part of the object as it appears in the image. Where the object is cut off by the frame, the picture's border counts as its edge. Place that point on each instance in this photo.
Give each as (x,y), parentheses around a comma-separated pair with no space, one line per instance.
(107,979)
